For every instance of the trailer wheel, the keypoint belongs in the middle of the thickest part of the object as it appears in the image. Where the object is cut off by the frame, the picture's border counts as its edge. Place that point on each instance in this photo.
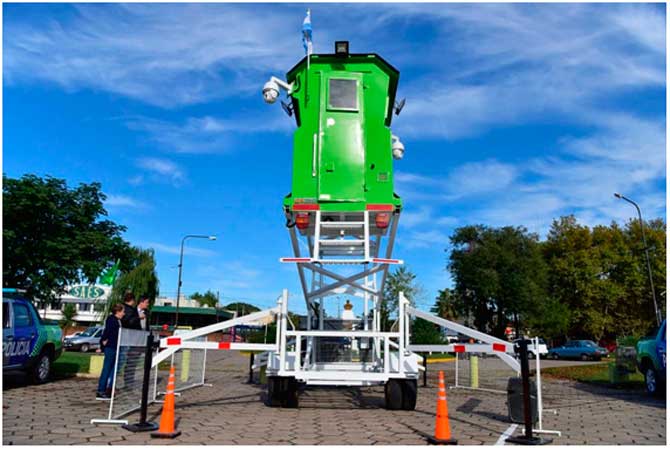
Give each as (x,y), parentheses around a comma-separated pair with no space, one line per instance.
(290,392)
(274,391)
(409,394)
(393,394)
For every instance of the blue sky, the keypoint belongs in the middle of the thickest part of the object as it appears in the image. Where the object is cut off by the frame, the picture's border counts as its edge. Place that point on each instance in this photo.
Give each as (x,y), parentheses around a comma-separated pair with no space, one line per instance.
(516,114)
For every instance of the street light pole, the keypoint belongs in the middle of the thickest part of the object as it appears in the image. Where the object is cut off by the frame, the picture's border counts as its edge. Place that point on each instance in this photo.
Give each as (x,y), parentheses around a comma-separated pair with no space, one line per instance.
(181,262)
(646,253)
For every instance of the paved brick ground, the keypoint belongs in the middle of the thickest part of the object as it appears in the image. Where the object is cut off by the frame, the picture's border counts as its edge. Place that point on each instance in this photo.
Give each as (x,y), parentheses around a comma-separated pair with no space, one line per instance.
(232,412)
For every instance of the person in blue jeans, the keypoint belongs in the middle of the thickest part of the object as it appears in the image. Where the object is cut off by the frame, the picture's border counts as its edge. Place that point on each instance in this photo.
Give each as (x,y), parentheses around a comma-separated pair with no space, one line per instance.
(108,343)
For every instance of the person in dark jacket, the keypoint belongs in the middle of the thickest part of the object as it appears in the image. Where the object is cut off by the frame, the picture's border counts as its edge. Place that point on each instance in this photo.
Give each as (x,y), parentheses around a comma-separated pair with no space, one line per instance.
(131,319)
(143,313)
(108,343)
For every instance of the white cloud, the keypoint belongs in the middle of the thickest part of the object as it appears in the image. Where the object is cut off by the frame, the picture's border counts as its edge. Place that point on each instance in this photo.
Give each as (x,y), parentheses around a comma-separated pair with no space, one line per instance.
(161,169)
(505,64)
(208,134)
(123,201)
(136,180)
(165,55)
(480,177)
(425,239)
(578,176)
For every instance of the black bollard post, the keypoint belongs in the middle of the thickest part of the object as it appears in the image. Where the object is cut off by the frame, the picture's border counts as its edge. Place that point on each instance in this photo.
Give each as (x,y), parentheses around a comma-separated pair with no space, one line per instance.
(251,369)
(527,438)
(143,425)
(425,370)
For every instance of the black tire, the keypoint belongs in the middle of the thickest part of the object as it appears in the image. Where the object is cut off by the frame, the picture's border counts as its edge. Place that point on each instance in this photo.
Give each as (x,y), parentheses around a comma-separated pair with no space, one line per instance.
(553,356)
(84,347)
(290,392)
(274,392)
(409,392)
(393,394)
(583,357)
(531,355)
(41,369)
(652,383)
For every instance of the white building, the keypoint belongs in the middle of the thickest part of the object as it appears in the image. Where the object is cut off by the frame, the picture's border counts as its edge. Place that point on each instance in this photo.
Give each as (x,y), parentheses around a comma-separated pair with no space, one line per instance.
(89,300)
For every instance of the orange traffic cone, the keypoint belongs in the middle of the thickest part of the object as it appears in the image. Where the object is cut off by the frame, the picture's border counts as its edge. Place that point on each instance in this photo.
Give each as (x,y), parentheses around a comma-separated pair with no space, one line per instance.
(166,429)
(442,430)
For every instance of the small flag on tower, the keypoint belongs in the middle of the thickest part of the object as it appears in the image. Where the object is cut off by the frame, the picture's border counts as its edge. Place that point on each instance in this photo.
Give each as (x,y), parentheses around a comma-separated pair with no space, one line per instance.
(307,33)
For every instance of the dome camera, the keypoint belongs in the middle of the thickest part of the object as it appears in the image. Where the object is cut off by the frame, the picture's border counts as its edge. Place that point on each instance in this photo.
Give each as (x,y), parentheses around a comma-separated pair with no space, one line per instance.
(397,148)
(270,92)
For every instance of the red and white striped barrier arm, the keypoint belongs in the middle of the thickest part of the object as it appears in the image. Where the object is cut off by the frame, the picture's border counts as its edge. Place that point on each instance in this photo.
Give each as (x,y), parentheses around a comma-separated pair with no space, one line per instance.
(178,342)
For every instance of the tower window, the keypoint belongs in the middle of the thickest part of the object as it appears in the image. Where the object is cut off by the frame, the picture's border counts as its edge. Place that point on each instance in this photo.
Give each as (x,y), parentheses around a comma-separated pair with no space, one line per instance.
(342,94)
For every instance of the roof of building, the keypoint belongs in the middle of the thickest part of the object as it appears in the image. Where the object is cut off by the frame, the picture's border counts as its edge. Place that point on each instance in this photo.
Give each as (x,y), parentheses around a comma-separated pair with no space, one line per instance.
(191,310)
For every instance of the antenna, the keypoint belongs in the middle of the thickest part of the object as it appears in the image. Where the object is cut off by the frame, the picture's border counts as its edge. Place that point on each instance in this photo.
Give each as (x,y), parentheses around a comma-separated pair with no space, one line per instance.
(399,105)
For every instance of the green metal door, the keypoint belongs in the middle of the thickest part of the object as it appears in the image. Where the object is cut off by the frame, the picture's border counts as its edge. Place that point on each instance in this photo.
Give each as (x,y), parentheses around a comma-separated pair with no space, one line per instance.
(342,144)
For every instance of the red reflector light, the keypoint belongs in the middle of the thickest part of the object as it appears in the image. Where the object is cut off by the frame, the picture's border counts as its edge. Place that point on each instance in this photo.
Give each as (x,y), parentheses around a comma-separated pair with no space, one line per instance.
(224,345)
(378,207)
(459,348)
(174,341)
(499,347)
(302,221)
(382,220)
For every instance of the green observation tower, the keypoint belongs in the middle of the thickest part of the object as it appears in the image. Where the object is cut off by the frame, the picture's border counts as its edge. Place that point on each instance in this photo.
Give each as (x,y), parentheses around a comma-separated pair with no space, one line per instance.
(343,106)
(343,150)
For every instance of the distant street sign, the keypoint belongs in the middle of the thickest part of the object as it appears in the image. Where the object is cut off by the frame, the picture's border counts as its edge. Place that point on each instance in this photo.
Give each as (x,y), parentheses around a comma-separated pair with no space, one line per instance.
(86,292)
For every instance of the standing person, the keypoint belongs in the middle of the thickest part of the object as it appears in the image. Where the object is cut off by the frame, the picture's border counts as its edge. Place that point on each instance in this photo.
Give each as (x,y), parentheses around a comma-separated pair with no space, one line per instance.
(131,319)
(143,312)
(108,343)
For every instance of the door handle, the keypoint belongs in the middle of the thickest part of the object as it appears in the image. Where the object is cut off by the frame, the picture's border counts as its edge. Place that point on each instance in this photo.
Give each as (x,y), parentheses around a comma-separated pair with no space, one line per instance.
(314,156)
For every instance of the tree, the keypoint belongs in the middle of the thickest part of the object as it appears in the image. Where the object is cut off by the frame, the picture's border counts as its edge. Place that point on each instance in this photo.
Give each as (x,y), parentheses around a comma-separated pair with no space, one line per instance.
(499,274)
(69,313)
(446,305)
(401,280)
(208,299)
(425,333)
(242,308)
(54,236)
(138,275)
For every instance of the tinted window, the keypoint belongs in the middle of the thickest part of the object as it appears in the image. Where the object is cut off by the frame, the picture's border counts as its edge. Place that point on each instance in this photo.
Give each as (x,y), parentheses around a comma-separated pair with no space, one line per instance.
(89,332)
(5,315)
(342,94)
(22,316)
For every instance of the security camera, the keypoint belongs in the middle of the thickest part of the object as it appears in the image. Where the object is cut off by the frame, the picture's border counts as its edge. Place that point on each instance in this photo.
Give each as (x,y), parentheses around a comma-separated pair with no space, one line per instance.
(397,148)
(270,92)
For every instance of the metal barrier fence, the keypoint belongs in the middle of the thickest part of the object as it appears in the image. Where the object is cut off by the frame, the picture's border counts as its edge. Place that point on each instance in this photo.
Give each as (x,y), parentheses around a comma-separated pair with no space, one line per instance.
(128,376)
(190,370)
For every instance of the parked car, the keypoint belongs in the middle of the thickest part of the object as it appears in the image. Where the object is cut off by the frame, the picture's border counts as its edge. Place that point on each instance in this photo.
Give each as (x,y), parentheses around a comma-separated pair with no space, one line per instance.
(30,345)
(651,360)
(85,341)
(541,349)
(578,349)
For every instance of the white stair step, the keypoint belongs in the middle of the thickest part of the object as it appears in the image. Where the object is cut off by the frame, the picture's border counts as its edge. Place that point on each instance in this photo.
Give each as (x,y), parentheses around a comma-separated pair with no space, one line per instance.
(342,224)
(342,242)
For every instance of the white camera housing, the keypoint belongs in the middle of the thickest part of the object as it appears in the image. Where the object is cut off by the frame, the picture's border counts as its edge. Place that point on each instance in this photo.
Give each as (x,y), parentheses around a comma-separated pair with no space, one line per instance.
(397,148)
(270,92)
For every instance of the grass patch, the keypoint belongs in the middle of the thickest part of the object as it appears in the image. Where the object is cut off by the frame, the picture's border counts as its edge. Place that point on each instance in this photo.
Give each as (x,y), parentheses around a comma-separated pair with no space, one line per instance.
(71,363)
(595,374)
